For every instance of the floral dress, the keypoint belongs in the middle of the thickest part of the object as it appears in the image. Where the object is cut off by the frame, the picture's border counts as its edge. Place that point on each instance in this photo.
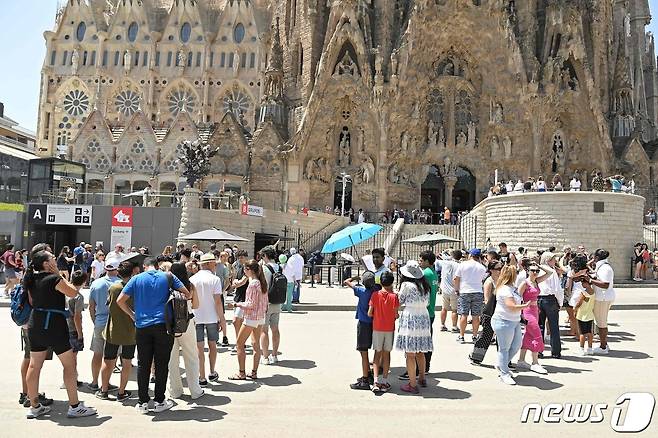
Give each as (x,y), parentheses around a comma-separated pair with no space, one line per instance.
(414,324)
(532,339)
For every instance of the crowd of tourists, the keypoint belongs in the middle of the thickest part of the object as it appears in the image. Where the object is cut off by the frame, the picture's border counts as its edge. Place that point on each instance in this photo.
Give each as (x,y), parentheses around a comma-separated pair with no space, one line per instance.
(132,304)
(645,262)
(615,183)
(512,299)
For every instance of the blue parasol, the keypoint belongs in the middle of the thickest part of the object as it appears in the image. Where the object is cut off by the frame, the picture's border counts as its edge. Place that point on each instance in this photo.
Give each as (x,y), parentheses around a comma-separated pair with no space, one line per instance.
(350,236)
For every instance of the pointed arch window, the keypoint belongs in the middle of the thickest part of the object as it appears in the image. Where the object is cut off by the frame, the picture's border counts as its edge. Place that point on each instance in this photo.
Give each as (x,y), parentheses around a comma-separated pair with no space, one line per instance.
(133,29)
(238,33)
(80,31)
(185,32)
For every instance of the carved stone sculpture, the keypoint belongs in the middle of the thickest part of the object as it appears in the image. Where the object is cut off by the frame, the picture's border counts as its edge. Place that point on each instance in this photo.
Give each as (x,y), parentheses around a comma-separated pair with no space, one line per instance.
(127,60)
(461,139)
(507,146)
(442,137)
(472,135)
(344,148)
(431,133)
(449,168)
(181,58)
(346,66)
(404,142)
(495,147)
(367,170)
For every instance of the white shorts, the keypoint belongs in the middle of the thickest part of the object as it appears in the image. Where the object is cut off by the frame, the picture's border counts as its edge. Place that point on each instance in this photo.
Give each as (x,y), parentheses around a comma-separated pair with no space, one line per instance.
(238,313)
(254,322)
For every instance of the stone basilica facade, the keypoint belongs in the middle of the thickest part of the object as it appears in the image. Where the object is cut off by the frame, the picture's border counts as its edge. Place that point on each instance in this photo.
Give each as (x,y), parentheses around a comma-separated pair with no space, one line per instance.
(419,101)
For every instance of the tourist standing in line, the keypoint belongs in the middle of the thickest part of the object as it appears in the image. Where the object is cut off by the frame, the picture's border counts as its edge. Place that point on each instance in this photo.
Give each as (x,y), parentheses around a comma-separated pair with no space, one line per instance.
(297,265)
(9,261)
(364,325)
(224,273)
(75,306)
(383,308)
(506,321)
(119,333)
(255,309)
(186,343)
(150,292)
(426,261)
(604,289)
(532,339)
(206,316)
(550,301)
(47,328)
(448,266)
(565,263)
(239,286)
(63,261)
(484,341)
(468,287)
(99,311)
(288,271)
(414,336)
(270,267)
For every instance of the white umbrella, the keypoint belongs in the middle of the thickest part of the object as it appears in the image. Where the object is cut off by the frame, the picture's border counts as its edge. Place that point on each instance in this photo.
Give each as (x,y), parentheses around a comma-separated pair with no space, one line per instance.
(347,257)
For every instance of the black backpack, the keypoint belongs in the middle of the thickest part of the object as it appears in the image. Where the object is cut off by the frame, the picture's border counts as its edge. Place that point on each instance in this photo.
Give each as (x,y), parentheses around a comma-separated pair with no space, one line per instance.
(276,294)
(177,317)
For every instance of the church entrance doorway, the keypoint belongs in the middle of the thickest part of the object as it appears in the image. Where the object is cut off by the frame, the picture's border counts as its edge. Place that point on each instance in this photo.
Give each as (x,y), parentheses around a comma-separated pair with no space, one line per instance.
(463,195)
(432,193)
(338,192)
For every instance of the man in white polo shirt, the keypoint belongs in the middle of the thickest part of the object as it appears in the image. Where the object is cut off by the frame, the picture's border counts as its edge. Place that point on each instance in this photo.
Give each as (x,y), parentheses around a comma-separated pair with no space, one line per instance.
(604,289)
(470,296)
(550,301)
(209,290)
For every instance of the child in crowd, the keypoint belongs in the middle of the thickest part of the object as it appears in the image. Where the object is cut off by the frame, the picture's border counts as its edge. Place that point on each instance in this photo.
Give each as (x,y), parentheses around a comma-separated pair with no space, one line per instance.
(75,307)
(364,325)
(584,309)
(383,308)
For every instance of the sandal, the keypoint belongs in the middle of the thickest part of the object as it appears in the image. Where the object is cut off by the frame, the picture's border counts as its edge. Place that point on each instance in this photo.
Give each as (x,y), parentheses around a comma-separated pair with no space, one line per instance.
(253,375)
(239,376)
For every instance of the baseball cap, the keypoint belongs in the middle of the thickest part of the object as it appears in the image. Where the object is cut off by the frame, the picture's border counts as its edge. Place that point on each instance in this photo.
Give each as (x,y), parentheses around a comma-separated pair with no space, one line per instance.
(283,258)
(112,264)
(368,279)
(475,252)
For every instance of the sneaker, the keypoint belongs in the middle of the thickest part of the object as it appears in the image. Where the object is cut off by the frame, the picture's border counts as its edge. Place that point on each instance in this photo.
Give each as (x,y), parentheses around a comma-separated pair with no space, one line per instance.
(384,387)
(581,352)
(142,408)
(590,351)
(444,328)
(601,351)
(224,341)
(93,386)
(404,376)
(461,339)
(203,383)
(455,330)
(272,359)
(194,397)
(164,406)
(112,388)
(103,395)
(234,349)
(213,377)
(43,400)
(22,398)
(116,369)
(376,388)
(410,389)
(124,396)
(264,361)
(511,366)
(522,365)
(361,383)
(80,411)
(536,368)
(38,411)
(507,379)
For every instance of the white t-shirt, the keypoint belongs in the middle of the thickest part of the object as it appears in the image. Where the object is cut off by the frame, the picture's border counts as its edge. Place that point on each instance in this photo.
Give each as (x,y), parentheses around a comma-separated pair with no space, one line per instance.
(509,187)
(552,286)
(605,273)
(576,289)
(448,269)
(541,185)
(504,312)
(99,268)
(575,184)
(518,187)
(288,271)
(521,277)
(471,275)
(207,286)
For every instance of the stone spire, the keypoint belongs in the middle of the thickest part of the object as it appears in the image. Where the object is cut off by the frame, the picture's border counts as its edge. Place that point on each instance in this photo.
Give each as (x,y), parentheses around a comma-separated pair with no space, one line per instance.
(275,61)
(272,103)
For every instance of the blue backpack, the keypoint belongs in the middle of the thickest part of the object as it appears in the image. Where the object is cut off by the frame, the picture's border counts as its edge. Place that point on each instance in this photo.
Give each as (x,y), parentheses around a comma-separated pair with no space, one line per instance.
(20,306)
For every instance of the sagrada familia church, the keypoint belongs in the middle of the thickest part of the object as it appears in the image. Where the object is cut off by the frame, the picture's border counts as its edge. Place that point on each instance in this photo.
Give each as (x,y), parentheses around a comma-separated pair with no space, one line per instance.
(418,101)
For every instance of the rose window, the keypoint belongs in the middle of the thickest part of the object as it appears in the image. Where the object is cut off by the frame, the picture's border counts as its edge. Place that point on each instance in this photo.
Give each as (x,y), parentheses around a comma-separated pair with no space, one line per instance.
(76,103)
(127,102)
(237,102)
(180,100)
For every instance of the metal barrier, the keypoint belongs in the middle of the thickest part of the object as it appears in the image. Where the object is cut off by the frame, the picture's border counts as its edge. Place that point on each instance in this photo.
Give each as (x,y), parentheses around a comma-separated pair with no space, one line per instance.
(341,272)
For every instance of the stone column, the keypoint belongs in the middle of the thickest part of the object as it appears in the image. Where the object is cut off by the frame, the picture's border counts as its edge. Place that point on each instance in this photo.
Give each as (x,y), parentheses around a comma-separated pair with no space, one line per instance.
(449,182)
(190,220)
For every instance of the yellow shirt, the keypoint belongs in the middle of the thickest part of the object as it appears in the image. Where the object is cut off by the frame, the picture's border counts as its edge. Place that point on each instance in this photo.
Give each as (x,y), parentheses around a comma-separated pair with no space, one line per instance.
(586,310)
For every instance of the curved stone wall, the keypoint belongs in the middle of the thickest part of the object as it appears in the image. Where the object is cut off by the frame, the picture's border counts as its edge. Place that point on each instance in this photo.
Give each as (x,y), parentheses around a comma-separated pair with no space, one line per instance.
(538,220)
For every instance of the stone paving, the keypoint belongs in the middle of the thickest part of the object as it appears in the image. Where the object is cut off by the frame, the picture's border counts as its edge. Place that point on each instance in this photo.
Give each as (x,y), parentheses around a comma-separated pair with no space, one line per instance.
(307,393)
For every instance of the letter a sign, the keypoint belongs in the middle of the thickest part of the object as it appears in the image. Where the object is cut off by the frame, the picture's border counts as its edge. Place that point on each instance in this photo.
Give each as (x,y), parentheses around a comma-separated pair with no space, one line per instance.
(37,214)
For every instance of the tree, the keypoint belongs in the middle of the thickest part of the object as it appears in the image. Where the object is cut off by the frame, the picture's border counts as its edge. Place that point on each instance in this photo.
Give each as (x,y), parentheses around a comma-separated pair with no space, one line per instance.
(195,159)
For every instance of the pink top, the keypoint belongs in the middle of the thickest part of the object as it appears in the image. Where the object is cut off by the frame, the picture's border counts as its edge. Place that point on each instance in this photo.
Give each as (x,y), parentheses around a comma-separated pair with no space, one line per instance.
(255,304)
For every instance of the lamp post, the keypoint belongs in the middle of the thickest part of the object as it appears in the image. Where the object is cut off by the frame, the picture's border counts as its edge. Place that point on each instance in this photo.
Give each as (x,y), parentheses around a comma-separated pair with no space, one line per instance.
(346,178)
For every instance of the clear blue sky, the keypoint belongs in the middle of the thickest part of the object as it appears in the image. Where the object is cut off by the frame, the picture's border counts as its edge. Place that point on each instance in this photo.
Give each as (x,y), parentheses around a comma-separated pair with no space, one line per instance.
(22,23)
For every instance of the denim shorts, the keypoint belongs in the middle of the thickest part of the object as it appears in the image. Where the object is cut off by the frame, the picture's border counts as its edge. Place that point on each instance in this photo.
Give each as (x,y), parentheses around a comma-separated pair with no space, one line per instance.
(470,303)
(211,329)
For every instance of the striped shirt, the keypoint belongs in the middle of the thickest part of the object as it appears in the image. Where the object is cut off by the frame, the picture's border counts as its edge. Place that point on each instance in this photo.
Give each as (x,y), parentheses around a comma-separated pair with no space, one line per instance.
(255,304)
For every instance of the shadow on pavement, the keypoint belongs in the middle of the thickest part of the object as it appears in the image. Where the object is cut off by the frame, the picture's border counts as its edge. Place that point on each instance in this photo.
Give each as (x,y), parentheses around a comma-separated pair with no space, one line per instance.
(625,354)
(537,382)
(244,386)
(563,370)
(458,376)
(197,413)
(301,364)
(207,400)
(279,380)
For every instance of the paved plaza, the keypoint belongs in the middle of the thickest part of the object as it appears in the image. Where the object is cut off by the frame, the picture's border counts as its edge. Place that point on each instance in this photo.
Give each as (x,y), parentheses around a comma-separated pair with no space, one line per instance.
(307,393)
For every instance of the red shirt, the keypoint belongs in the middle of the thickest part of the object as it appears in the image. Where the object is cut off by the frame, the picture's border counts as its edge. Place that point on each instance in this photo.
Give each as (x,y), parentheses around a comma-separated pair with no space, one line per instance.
(384,305)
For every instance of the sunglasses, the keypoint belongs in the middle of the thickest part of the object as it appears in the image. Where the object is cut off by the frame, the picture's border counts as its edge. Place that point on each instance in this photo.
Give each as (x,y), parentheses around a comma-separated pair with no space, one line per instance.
(536,271)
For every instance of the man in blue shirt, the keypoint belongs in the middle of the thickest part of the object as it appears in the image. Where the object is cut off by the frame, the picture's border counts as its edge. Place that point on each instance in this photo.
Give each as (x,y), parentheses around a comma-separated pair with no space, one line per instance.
(99,311)
(78,257)
(150,293)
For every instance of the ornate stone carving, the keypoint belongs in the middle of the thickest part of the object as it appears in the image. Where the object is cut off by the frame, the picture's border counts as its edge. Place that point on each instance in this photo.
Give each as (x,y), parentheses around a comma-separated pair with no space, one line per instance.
(496,113)
(449,168)
(181,58)
(431,133)
(495,147)
(344,153)
(461,139)
(441,141)
(472,135)
(127,61)
(318,169)
(507,146)
(346,66)
(366,172)
(75,61)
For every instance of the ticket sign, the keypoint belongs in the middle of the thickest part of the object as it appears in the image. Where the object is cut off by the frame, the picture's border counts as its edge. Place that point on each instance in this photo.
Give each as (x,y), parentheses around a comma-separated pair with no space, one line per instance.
(252,210)
(60,214)
(122,226)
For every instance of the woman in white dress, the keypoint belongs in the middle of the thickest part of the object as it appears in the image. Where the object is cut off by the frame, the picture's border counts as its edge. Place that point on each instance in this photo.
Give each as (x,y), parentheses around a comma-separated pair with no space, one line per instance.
(414,336)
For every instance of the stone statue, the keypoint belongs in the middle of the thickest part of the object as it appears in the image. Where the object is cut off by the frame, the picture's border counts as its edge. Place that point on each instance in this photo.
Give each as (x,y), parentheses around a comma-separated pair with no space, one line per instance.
(393,173)
(547,76)
(565,79)
(431,133)
(346,66)
(507,146)
(329,139)
(442,137)
(127,60)
(471,135)
(344,148)
(404,143)
(378,61)
(394,62)
(75,61)
(461,139)
(496,112)
(449,168)
(181,58)
(312,170)
(325,170)
(367,170)
(416,111)
(495,147)
(448,69)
